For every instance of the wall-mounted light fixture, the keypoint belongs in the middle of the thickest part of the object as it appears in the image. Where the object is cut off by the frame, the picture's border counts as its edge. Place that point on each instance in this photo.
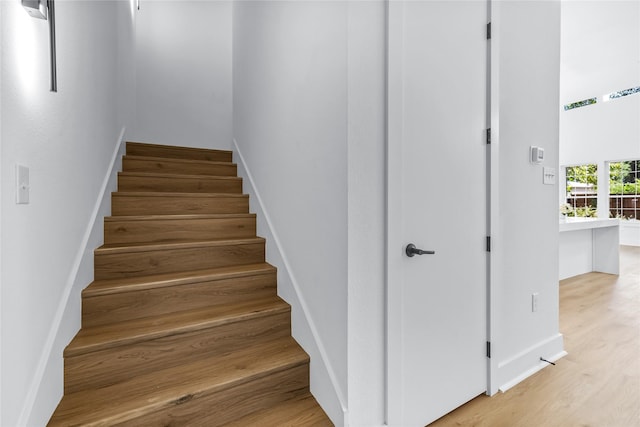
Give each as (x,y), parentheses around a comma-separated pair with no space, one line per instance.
(35,8)
(45,9)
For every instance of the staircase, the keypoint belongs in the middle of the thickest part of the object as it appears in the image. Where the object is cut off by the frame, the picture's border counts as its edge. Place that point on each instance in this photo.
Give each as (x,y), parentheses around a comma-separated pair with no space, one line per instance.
(182,325)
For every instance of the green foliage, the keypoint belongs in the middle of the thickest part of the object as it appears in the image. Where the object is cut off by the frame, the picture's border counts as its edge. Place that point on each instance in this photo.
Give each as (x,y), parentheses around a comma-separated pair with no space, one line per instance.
(618,188)
(586,174)
(619,172)
(585,212)
(579,104)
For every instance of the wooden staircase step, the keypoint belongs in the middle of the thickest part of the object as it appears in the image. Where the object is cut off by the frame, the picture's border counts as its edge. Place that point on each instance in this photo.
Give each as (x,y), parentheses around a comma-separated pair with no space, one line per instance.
(156,150)
(105,355)
(132,260)
(113,335)
(132,284)
(118,300)
(154,203)
(303,410)
(178,166)
(169,228)
(182,324)
(171,183)
(211,391)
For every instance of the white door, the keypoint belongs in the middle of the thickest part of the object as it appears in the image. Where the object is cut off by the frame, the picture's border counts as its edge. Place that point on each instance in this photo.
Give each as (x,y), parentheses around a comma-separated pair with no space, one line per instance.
(437,303)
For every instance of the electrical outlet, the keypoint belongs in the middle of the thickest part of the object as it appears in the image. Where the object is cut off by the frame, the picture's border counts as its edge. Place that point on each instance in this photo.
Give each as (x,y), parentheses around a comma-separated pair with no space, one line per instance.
(534,302)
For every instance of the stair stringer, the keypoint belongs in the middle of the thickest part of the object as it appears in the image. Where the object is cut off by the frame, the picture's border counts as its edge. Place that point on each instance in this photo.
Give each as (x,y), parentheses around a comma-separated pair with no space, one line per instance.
(324,384)
(47,386)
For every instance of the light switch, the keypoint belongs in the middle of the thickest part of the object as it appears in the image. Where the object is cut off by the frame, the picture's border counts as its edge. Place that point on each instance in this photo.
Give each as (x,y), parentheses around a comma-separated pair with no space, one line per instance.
(22,185)
(549,175)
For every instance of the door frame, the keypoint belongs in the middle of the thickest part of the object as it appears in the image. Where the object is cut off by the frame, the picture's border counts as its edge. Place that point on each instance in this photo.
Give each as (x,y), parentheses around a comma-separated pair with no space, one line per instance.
(394,202)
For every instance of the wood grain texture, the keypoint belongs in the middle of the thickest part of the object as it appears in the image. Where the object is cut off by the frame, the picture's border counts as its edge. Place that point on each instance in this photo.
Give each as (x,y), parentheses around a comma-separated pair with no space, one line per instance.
(221,408)
(167,183)
(171,228)
(178,166)
(136,203)
(116,364)
(156,301)
(158,258)
(158,395)
(300,411)
(118,334)
(188,153)
(132,284)
(182,324)
(598,383)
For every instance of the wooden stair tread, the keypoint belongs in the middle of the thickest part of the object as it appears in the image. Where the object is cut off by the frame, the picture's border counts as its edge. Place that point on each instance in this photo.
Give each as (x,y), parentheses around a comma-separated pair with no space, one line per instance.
(117,334)
(145,247)
(300,411)
(172,194)
(182,324)
(176,152)
(178,160)
(131,284)
(163,389)
(179,176)
(176,217)
(132,163)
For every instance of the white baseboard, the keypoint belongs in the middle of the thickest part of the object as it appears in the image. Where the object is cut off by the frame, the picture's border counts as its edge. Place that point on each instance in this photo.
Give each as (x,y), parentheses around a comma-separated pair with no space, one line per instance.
(323,377)
(526,363)
(46,388)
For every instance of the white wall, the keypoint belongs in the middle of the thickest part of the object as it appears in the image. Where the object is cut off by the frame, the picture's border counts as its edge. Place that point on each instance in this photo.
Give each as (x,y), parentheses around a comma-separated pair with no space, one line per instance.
(524,224)
(366,57)
(68,140)
(290,125)
(600,55)
(183,76)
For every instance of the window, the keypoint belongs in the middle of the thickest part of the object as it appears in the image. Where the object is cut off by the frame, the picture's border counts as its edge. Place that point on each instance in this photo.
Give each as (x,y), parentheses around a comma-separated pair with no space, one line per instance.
(579,104)
(582,190)
(624,189)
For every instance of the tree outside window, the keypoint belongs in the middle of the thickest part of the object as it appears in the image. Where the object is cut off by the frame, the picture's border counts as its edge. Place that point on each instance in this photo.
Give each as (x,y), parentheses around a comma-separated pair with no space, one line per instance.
(624,190)
(582,190)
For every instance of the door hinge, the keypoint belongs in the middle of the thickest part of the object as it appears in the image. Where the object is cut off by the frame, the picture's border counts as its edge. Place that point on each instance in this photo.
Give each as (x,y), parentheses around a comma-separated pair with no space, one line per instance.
(489,31)
(488,243)
(489,349)
(488,135)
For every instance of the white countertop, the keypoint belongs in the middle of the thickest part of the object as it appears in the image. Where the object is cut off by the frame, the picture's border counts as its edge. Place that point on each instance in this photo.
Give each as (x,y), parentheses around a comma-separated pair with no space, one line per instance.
(572,224)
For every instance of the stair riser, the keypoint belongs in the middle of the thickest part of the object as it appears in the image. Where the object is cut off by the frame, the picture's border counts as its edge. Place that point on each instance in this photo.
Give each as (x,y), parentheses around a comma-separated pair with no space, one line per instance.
(179,185)
(110,366)
(170,230)
(169,205)
(221,408)
(134,149)
(168,166)
(113,308)
(136,264)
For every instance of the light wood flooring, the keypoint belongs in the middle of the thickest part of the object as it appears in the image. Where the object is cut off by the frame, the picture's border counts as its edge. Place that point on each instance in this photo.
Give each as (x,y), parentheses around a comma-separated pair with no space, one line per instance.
(598,383)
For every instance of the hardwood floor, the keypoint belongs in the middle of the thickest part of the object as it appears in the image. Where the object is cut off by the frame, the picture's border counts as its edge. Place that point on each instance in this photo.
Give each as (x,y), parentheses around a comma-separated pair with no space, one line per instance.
(598,383)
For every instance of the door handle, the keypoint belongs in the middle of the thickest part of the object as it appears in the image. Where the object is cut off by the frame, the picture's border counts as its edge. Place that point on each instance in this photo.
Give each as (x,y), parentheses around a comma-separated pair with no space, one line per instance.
(411,250)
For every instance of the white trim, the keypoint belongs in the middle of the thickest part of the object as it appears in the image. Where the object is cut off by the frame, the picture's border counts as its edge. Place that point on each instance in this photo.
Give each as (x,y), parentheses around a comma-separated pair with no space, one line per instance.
(395,114)
(527,362)
(289,272)
(540,366)
(45,357)
(495,260)
(1,400)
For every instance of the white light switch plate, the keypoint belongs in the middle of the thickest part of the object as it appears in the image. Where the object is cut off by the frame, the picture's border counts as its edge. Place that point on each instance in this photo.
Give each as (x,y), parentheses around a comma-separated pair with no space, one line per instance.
(548,176)
(22,185)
